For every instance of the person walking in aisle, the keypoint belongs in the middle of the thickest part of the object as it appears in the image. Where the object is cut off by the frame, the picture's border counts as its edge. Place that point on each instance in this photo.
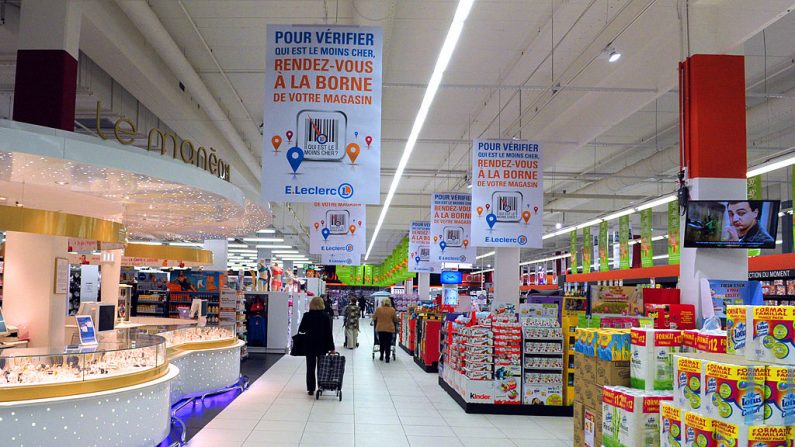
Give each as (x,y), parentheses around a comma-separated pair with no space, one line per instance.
(319,340)
(385,319)
(329,307)
(352,325)
(362,306)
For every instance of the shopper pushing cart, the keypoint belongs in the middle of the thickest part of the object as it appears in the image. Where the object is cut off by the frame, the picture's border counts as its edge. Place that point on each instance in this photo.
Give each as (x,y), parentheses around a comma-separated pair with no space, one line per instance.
(385,321)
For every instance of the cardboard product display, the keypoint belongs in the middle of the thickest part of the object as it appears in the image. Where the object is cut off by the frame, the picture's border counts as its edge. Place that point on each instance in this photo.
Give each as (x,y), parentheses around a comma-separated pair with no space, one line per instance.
(672,316)
(773,334)
(670,425)
(613,373)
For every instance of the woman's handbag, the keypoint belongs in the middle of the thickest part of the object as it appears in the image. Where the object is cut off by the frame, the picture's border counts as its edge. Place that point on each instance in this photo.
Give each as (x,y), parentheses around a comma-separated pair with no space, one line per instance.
(298,348)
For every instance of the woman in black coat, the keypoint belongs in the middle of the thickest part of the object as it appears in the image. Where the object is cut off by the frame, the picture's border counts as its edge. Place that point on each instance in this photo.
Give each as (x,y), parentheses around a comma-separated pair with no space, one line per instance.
(318,340)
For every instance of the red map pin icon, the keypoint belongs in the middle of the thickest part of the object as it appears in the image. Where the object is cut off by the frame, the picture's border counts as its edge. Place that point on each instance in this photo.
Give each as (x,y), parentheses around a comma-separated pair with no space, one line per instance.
(368,139)
(488,206)
(526,216)
(276,141)
(322,222)
(353,152)
(317,225)
(289,134)
(480,210)
(466,242)
(535,209)
(360,223)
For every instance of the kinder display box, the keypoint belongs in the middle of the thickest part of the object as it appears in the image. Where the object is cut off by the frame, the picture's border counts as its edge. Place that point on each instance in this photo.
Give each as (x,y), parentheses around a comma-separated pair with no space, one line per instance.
(670,425)
(773,336)
(779,395)
(732,435)
(541,394)
(652,357)
(734,393)
(736,329)
(508,391)
(698,431)
(478,391)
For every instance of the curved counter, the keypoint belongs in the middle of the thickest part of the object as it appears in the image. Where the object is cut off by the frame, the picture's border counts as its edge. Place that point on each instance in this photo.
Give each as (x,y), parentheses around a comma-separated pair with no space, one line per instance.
(128,416)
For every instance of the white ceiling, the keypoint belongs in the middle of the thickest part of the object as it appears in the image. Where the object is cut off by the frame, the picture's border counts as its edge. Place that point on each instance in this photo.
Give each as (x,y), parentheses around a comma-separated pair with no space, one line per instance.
(610,130)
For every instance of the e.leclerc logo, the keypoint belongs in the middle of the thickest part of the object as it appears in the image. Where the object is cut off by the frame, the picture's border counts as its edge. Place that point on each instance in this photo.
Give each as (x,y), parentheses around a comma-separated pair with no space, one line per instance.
(522,239)
(349,248)
(345,191)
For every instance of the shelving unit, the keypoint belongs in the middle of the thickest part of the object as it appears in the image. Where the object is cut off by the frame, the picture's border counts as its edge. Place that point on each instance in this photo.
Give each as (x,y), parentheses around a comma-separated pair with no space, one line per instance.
(152,303)
(542,362)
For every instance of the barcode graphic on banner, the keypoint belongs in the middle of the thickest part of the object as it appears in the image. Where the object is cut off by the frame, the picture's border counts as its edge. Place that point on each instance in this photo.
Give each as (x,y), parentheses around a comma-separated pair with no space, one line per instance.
(425,253)
(338,222)
(321,130)
(453,236)
(507,205)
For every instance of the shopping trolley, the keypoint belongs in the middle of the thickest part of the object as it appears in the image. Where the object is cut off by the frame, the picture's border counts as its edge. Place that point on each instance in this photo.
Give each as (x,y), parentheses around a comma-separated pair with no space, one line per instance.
(377,347)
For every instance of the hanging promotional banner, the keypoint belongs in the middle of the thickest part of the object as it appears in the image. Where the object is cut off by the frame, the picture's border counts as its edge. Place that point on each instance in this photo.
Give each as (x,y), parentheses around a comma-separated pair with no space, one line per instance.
(604,246)
(420,248)
(623,242)
(341,258)
(322,123)
(587,250)
(646,251)
(755,193)
(338,228)
(450,228)
(673,232)
(573,250)
(507,193)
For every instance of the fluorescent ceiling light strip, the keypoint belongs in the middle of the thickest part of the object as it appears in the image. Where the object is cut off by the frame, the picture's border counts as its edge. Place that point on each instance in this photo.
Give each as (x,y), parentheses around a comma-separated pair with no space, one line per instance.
(619,214)
(236,246)
(486,255)
(241,250)
(461,13)
(482,271)
(184,244)
(770,166)
(656,202)
(660,257)
(263,239)
(273,246)
(588,224)
(552,258)
(286,251)
(266,231)
(146,243)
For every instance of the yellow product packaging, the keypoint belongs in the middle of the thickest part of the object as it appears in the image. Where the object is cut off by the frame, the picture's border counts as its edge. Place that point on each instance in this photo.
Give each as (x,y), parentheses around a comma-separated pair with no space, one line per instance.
(613,345)
(734,393)
(670,425)
(736,329)
(689,379)
(779,395)
(773,334)
(733,435)
(698,430)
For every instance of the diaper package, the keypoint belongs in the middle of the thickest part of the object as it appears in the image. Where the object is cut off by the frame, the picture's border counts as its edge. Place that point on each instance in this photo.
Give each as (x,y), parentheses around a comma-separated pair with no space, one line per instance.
(733,393)
(779,395)
(698,431)
(773,336)
(652,357)
(736,329)
(613,345)
(670,425)
(732,435)
(631,417)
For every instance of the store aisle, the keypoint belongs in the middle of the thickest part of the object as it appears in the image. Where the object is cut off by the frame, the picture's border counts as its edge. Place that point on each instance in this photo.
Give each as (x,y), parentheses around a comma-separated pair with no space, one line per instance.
(384,405)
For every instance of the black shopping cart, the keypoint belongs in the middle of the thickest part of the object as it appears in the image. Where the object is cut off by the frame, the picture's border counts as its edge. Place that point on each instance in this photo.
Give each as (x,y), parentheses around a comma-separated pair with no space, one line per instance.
(376,345)
(330,371)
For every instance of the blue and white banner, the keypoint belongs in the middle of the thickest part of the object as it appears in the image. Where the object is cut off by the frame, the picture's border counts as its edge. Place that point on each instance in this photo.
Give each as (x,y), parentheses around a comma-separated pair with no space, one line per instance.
(450,228)
(507,194)
(322,122)
(420,248)
(338,229)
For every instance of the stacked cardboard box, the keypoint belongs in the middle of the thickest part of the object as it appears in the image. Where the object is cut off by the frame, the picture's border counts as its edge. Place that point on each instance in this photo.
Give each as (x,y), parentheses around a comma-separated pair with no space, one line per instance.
(592,375)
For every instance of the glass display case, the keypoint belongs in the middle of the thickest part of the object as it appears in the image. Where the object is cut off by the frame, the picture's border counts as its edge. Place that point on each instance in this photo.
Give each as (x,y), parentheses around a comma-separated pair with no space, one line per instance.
(198,336)
(119,353)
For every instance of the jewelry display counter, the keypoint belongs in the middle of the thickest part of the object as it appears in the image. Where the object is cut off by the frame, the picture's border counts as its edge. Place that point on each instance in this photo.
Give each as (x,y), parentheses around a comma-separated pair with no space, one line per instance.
(113,394)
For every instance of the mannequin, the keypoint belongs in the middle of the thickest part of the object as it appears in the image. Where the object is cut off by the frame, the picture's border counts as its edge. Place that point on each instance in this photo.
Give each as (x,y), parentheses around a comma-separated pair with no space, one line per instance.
(263,276)
(276,276)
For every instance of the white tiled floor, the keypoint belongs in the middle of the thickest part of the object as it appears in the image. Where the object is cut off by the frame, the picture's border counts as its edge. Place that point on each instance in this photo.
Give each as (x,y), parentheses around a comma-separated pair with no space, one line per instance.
(383,405)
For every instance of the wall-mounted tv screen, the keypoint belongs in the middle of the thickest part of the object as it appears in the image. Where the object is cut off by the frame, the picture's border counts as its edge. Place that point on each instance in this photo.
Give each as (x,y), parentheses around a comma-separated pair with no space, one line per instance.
(451,277)
(731,224)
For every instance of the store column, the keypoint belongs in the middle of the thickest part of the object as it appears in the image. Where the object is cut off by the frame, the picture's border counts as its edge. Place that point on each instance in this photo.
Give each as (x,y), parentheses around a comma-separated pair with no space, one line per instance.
(29,297)
(110,273)
(506,275)
(423,285)
(46,65)
(712,97)
(219,247)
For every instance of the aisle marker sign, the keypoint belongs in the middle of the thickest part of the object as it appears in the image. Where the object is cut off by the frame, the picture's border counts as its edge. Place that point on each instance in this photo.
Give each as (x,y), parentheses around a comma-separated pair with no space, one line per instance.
(507,193)
(420,248)
(339,229)
(322,122)
(450,228)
